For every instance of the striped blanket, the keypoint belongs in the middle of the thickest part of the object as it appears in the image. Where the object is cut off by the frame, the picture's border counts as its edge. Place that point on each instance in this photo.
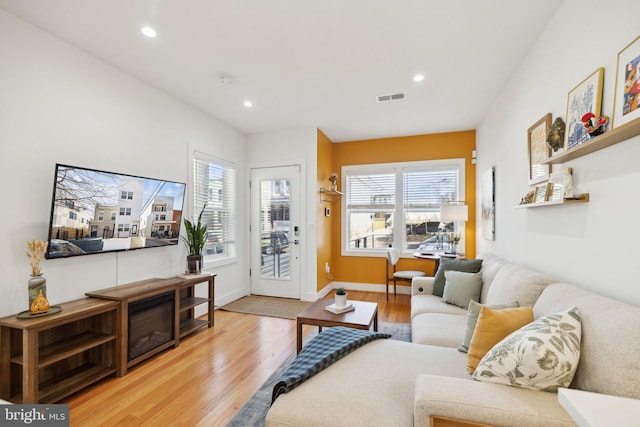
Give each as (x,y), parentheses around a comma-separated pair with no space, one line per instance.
(323,350)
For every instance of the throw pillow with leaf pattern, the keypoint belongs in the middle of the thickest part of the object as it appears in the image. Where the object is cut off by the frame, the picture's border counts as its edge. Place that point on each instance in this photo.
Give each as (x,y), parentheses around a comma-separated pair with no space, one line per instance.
(542,355)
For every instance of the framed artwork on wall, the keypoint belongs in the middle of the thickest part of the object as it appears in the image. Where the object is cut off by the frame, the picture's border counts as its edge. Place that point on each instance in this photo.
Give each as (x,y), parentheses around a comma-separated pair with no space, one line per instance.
(542,193)
(626,104)
(538,150)
(488,216)
(584,98)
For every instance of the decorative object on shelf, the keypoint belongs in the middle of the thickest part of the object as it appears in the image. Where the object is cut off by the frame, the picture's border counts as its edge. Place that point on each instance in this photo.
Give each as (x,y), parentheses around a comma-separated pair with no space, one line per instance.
(334,181)
(38,303)
(195,241)
(538,150)
(595,125)
(561,184)
(487,217)
(542,192)
(341,297)
(584,98)
(555,138)
(626,104)
(528,198)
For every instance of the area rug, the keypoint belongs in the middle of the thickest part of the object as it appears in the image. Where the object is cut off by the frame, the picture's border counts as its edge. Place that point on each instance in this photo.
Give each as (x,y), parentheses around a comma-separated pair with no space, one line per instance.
(285,308)
(254,412)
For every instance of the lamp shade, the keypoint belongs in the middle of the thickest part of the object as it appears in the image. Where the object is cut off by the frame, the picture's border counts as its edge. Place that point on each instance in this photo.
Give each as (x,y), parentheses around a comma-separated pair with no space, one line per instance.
(454,213)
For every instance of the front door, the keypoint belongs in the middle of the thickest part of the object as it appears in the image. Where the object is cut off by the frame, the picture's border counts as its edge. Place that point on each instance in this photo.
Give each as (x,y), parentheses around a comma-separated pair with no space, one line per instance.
(275,231)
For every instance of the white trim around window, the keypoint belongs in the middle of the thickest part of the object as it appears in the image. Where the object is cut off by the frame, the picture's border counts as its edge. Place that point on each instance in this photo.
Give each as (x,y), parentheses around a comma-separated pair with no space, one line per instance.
(375,197)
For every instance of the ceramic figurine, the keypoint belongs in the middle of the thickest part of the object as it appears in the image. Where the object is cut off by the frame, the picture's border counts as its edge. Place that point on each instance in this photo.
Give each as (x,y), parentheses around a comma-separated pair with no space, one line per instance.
(595,125)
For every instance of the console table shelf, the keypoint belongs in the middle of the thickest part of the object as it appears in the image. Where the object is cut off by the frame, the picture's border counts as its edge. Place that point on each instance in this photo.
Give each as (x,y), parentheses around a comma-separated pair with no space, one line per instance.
(44,359)
(184,319)
(580,198)
(607,139)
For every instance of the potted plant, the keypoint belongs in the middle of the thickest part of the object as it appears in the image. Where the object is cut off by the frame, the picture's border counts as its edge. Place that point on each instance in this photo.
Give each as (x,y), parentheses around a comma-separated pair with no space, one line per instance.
(195,240)
(341,297)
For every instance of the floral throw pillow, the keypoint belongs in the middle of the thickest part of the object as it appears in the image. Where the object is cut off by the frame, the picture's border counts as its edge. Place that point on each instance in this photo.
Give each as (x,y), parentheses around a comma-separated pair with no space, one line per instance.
(542,355)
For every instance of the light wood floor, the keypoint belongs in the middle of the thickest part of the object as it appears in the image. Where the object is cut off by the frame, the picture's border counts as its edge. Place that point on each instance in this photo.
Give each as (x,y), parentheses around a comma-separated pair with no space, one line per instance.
(209,377)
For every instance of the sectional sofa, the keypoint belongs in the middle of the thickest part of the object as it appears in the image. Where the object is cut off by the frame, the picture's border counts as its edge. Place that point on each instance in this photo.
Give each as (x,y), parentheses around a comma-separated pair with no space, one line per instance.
(426,382)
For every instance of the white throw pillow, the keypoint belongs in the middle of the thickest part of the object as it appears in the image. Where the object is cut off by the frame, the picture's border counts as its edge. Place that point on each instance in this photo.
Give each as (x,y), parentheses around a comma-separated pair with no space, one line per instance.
(542,355)
(461,287)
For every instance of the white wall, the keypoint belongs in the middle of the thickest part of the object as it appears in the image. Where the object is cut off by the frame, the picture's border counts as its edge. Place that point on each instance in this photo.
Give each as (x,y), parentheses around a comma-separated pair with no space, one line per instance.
(60,105)
(296,146)
(591,245)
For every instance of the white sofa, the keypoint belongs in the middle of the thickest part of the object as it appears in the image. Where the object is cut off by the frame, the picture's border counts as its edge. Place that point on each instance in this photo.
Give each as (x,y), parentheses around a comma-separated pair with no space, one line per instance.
(393,383)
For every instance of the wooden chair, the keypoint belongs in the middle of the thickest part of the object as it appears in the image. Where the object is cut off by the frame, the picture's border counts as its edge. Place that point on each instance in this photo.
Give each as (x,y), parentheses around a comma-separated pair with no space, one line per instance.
(407,275)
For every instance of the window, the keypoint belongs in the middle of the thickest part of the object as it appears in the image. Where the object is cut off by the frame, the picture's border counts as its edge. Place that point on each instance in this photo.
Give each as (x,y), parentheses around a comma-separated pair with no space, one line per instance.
(113,216)
(73,215)
(398,204)
(215,186)
(101,216)
(125,211)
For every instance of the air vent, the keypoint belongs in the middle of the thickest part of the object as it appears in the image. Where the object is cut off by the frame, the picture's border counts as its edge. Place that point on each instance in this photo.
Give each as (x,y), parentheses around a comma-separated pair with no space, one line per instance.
(393,97)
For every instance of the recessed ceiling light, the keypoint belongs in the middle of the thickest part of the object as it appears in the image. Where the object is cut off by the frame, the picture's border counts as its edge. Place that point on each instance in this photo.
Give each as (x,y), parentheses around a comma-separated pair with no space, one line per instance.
(418,77)
(149,32)
(248,104)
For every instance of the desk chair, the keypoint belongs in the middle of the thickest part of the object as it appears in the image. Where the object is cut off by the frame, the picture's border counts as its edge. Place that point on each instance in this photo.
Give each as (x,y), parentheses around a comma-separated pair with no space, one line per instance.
(392,259)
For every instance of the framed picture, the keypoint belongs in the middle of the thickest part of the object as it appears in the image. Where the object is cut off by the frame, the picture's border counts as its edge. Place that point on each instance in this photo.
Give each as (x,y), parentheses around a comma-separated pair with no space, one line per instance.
(626,104)
(584,98)
(542,193)
(488,218)
(556,192)
(538,150)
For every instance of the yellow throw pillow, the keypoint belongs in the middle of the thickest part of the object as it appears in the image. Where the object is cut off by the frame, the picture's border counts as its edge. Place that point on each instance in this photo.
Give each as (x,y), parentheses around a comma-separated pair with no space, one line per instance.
(492,327)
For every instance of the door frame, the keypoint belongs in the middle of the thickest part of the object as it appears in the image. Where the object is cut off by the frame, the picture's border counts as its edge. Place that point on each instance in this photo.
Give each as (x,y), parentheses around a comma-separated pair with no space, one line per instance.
(306,293)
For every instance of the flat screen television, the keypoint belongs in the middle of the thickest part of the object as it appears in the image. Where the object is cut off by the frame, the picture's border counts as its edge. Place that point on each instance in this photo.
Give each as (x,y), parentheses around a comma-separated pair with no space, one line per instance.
(94,211)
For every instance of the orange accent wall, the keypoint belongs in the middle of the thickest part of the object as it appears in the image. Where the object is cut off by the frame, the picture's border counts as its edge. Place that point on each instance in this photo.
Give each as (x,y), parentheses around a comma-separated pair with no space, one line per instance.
(390,150)
(325,224)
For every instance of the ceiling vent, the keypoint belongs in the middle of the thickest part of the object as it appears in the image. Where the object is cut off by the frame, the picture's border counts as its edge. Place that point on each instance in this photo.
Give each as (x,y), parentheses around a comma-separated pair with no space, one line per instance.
(394,97)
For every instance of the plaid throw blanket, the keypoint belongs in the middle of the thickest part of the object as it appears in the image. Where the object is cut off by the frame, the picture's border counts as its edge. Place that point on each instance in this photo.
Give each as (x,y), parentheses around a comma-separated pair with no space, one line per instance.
(323,350)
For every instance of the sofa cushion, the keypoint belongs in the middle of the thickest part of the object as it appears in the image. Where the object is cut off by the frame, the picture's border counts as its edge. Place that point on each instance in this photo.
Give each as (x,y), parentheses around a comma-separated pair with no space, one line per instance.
(516,283)
(460,287)
(492,327)
(421,304)
(472,319)
(610,339)
(464,265)
(491,264)
(376,382)
(542,355)
(437,329)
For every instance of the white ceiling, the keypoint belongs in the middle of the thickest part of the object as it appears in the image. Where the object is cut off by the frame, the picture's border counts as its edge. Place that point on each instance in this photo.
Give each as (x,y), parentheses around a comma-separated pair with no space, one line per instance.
(311,63)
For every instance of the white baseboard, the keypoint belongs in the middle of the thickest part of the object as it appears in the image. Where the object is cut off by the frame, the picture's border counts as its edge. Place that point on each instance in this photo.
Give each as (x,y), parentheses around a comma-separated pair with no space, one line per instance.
(367,287)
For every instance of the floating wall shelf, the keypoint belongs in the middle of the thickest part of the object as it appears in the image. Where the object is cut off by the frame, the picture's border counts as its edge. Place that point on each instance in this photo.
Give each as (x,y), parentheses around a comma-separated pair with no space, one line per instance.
(607,139)
(328,195)
(580,198)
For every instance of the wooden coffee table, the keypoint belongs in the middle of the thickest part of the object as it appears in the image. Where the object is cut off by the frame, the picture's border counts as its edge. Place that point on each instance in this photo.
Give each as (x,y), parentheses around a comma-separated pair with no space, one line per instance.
(364,315)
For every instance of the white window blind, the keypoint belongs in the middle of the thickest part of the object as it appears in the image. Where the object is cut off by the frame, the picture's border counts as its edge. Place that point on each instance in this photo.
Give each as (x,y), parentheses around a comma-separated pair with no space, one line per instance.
(215,186)
(427,190)
(371,192)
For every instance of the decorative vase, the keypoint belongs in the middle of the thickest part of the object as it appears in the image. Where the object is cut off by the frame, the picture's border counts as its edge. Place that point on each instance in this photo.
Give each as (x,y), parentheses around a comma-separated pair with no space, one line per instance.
(194,264)
(38,294)
(341,300)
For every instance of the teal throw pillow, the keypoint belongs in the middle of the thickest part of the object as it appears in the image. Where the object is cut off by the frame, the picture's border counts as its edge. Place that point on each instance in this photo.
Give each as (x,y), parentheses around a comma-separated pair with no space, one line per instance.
(460,288)
(472,319)
(464,265)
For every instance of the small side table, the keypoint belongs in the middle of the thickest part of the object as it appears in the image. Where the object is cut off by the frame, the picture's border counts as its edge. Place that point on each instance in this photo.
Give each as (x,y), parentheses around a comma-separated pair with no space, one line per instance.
(363,317)
(599,410)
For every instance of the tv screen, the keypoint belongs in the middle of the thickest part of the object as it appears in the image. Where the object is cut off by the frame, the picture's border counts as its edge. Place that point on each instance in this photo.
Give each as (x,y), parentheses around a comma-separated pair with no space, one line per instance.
(94,211)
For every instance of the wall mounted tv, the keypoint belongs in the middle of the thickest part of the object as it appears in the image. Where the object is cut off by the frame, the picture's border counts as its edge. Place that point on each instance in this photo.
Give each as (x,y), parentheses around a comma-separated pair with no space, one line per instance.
(94,211)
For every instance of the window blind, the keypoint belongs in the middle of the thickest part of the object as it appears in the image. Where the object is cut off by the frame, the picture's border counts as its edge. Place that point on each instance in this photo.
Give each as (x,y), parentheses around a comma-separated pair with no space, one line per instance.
(215,187)
(371,192)
(424,190)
